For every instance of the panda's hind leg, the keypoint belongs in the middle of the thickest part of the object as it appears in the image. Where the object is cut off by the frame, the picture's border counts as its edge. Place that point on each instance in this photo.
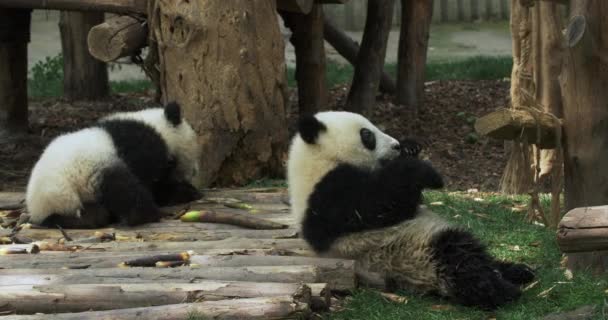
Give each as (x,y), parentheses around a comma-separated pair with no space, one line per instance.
(91,216)
(127,200)
(470,272)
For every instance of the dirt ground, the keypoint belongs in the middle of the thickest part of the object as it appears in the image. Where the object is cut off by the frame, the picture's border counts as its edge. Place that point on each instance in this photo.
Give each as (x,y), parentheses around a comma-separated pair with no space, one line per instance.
(444,125)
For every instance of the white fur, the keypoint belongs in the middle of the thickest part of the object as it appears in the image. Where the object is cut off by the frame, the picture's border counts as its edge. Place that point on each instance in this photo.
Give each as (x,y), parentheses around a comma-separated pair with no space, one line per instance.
(341,143)
(67,173)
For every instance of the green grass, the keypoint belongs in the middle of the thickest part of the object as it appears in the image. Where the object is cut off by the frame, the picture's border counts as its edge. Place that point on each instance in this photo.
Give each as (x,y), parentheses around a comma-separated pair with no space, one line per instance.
(474,68)
(502,229)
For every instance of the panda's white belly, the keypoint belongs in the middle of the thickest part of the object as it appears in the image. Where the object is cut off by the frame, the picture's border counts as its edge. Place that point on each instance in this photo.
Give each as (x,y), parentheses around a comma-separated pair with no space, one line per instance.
(400,251)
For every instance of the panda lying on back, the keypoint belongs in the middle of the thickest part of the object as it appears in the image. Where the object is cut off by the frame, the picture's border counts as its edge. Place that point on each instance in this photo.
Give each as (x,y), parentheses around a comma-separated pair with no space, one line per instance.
(357,198)
(116,171)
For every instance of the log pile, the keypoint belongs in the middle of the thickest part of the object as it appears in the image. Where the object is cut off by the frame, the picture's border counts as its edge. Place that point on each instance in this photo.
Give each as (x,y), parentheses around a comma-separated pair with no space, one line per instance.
(172,269)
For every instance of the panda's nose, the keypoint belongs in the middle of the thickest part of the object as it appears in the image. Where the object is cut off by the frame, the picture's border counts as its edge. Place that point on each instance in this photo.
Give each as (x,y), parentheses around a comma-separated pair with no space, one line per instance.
(396,146)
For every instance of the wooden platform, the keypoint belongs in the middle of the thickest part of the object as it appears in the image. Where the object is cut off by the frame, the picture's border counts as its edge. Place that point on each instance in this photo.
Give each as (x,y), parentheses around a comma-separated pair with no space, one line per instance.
(227,271)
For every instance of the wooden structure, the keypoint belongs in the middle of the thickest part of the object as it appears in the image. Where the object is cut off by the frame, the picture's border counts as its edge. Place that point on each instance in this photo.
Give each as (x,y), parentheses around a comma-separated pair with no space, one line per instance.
(583,237)
(216,270)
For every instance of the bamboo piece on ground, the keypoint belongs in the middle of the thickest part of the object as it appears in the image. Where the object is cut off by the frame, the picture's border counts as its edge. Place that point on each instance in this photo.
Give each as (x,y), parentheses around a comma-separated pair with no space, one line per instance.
(241,220)
(28,299)
(280,307)
(151,261)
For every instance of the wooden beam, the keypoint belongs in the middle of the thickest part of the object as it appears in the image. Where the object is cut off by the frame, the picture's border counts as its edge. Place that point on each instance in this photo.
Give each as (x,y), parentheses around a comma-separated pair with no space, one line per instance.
(509,124)
(117,37)
(299,6)
(115,6)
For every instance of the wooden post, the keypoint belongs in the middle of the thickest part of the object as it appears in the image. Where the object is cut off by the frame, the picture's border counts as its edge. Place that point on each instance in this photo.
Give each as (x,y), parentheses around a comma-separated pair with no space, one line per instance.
(584,80)
(370,61)
(443,9)
(460,8)
(504,9)
(489,10)
(14,37)
(413,43)
(84,77)
(474,10)
(307,39)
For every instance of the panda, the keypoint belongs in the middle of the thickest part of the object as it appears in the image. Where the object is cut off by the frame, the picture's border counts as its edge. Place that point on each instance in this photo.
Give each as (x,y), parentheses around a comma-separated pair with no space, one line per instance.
(117,171)
(357,195)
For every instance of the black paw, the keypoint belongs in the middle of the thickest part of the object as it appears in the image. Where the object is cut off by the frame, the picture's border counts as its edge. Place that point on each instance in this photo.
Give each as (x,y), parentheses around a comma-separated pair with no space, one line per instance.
(410,148)
(488,292)
(516,273)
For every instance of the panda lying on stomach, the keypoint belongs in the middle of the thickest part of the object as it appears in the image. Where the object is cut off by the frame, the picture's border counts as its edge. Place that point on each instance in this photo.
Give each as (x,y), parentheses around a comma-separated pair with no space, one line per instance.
(118,170)
(357,198)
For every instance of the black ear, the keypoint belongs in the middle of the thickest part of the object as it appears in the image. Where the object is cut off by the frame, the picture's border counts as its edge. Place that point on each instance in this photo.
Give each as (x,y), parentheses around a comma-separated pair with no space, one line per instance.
(310,128)
(173,113)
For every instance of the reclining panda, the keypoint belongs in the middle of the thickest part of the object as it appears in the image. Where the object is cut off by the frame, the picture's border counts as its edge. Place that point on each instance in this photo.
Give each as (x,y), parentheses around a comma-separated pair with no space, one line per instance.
(357,198)
(116,171)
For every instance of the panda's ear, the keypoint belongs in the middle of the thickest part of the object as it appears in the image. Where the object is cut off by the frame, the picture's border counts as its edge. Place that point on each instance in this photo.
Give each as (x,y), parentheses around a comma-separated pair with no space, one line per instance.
(310,128)
(173,113)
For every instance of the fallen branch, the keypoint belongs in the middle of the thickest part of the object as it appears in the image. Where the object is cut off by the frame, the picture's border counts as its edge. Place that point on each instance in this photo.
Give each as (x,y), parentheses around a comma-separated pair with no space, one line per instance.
(241,220)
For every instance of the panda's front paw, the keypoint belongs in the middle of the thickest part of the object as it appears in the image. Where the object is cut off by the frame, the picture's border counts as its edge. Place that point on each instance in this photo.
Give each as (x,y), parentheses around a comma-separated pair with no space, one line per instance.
(517,273)
(410,147)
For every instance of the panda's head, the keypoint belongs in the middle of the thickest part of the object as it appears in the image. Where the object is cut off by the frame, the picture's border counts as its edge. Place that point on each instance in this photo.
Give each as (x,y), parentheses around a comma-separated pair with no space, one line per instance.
(327,140)
(345,137)
(176,132)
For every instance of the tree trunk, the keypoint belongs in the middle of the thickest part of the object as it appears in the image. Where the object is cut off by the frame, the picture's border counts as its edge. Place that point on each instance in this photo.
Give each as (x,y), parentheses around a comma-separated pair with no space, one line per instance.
(489,10)
(307,39)
(280,307)
(224,62)
(29,299)
(584,80)
(413,44)
(460,9)
(475,10)
(370,60)
(504,9)
(443,7)
(14,37)
(349,49)
(84,77)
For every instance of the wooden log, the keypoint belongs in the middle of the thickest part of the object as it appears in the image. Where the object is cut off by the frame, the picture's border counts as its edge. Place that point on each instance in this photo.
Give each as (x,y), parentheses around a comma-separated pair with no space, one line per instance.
(307,39)
(349,49)
(29,299)
(584,230)
(14,37)
(416,18)
(115,6)
(84,77)
(12,200)
(279,307)
(117,37)
(299,6)
(246,221)
(160,234)
(508,124)
(370,60)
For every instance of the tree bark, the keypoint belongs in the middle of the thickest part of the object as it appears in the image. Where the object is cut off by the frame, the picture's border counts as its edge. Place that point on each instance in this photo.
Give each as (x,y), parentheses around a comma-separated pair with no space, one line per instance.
(84,77)
(349,49)
(14,37)
(370,60)
(413,44)
(29,299)
(279,307)
(117,37)
(584,80)
(224,62)
(307,39)
(115,6)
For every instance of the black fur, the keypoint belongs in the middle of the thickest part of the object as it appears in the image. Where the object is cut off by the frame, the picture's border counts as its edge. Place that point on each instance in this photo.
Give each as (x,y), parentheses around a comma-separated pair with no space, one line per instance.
(173,113)
(310,128)
(91,216)
(368,139)
(170,192)
(475,277)
(349,199)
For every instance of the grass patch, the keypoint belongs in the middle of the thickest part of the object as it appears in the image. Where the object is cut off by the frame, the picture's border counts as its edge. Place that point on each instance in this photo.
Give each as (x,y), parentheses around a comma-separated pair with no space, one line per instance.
(46,80)
(508,237)
(474,68)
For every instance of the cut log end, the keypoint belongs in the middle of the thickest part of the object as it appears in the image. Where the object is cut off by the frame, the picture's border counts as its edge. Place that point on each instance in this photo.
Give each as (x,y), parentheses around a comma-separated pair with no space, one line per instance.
(117,37)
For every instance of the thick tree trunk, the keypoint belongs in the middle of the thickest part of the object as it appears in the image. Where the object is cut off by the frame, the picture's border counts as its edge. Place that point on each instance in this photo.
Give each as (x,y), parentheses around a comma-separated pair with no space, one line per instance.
(280,307)
(84,77)
(29,299)
(584,80)
(413,44)
(370,60)
(14,37)
(224,62)
(349,49)
(307,39)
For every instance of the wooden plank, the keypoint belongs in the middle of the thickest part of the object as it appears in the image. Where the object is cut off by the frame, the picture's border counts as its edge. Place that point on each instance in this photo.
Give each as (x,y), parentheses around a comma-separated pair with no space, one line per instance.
(509,124)
(29,299)
(582,240)
(586,218)
(115,6)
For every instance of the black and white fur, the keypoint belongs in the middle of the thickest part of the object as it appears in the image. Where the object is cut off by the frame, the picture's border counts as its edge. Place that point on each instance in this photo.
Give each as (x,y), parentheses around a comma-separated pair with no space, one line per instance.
(116,171)
(357,198)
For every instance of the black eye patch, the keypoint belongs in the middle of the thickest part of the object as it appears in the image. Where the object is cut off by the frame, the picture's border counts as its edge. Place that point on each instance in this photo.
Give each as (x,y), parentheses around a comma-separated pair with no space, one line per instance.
(368,139)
